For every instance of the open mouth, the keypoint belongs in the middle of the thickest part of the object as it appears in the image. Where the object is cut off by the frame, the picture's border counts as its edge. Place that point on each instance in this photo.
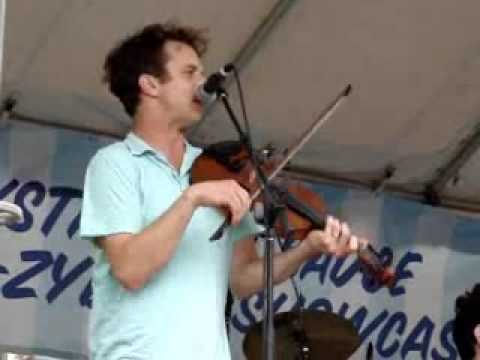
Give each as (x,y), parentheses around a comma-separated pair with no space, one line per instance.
(197,101)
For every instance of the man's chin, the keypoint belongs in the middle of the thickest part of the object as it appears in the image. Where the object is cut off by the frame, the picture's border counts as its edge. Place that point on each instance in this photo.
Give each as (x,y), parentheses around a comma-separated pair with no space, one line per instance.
(192,121)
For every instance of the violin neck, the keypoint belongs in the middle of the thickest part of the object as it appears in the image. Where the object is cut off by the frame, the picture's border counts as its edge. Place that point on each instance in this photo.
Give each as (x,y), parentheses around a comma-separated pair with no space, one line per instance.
(299,207)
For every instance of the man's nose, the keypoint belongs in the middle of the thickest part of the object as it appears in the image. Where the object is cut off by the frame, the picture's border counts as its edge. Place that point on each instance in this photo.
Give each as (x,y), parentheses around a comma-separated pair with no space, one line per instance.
(199,83)
(201,80)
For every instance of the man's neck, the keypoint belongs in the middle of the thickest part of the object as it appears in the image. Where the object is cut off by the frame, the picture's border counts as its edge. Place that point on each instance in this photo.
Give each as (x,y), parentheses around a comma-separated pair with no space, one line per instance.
(166,139)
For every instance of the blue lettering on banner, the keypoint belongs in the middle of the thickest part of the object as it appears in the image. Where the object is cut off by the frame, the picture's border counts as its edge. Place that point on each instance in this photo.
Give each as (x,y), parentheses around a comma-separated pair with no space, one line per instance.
(3,270)
(392,340)
(372,325)
(398,321)
(446,340)
(388,330)
(12,288)
(319,265)
(340,279)
(323,263)
(420,337)
(64,195)
(85,298)
(42,261)
(33,194)
(9,188)
(402,273)
(257,301)
(63,282)
(32,188)
(29,196)
(74,226)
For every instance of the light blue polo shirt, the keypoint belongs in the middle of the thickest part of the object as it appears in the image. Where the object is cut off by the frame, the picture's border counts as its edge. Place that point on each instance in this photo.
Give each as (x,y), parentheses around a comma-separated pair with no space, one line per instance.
(179,314)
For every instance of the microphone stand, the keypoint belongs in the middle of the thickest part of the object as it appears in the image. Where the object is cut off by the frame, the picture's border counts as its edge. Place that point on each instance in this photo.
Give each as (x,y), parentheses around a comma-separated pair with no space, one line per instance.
(271,209)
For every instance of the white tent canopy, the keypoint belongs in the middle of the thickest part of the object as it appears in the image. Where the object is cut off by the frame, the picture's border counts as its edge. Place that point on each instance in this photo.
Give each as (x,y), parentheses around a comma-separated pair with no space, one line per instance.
(412,119)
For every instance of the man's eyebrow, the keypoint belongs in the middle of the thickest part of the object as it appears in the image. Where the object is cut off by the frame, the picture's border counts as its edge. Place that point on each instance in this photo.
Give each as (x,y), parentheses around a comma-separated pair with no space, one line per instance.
(194,67)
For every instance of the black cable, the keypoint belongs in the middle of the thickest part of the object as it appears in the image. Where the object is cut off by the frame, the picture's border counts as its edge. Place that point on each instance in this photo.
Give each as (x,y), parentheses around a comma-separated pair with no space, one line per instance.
(242,103)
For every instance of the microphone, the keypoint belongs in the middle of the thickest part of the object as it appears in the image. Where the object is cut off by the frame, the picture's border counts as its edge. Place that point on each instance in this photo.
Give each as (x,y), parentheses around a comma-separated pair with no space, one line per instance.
(207,92)
(10,213)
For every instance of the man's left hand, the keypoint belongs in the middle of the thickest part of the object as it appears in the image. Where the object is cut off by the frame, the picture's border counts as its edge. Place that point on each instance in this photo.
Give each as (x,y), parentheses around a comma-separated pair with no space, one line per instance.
(336,239)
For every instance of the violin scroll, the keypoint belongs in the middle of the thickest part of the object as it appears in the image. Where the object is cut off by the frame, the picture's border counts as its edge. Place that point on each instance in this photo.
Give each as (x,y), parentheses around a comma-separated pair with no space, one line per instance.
(371,262)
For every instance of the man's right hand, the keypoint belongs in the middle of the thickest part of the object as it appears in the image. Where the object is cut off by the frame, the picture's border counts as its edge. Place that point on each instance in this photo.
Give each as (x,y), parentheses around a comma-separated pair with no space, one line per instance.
(223,194)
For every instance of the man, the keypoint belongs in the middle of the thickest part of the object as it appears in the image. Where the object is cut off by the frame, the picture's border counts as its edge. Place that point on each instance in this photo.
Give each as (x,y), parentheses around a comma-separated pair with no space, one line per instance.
(159,283)
(466,325)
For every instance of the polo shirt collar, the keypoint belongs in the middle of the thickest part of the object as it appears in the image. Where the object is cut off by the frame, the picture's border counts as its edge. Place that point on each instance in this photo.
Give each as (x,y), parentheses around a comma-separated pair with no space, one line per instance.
(139,147)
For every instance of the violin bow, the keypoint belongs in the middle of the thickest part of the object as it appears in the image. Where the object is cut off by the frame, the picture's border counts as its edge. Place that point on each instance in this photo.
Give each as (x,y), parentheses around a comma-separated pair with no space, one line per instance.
(319,121)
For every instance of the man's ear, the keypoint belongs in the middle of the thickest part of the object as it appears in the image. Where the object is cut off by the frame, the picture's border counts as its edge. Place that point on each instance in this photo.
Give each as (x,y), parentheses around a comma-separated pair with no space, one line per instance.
(476,333)
(149,85)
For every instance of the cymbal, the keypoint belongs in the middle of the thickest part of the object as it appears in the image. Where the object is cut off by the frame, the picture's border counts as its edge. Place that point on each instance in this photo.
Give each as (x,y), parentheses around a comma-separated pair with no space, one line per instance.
(327,335)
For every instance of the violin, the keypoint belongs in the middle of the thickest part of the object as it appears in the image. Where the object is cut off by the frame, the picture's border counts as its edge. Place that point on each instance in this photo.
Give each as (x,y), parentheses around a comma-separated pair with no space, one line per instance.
(305,210)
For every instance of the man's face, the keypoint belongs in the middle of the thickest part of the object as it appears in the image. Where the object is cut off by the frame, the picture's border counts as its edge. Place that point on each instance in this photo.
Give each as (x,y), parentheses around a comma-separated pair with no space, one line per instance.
(184,74)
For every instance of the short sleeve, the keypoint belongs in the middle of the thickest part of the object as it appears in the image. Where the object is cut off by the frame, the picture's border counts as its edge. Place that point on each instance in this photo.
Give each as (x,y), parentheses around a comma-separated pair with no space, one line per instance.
(247,227)
(111,199)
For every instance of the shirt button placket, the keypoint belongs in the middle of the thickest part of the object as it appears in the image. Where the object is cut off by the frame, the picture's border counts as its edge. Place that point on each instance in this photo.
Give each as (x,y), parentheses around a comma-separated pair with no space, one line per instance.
(178,179)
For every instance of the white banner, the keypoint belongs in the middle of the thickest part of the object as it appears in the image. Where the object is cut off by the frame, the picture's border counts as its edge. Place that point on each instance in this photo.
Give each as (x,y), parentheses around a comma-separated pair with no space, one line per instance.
(45,269)
(435,254)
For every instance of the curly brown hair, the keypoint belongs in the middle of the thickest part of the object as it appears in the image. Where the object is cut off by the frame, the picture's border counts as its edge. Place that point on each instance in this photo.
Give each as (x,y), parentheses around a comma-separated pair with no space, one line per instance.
(143,53)
(467,317)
